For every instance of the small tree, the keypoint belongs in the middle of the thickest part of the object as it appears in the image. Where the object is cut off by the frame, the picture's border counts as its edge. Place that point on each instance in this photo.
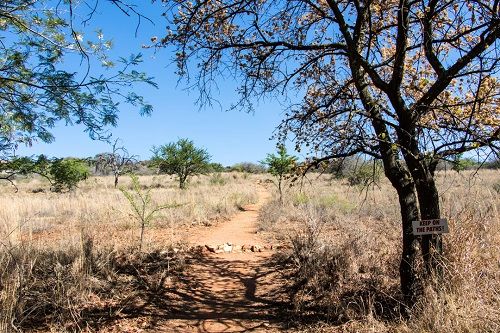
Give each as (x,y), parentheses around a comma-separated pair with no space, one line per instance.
(143,207)
(118,161)
(181,158)
(67,173)
(24,166)
(280,166)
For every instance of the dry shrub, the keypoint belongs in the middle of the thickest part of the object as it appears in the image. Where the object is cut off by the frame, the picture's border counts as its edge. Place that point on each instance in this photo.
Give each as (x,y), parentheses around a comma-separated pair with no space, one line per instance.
(64,289)
(340,279)
(44,285)
(343,264)
(467,299)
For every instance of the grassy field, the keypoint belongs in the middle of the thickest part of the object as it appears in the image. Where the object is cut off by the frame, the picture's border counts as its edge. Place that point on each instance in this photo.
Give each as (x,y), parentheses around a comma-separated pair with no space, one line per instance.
(345,251)
(97,208)
(65,258)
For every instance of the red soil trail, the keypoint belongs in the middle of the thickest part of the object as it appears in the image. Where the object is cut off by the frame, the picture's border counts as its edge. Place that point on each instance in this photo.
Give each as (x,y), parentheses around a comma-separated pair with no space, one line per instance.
(240,229)
(227,292)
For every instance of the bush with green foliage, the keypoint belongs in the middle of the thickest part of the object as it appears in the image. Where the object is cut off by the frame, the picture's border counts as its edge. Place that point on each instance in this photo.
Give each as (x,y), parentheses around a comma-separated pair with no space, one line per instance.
(461,164)
(248,167)
(280,166)
(67,173)
(216,167)
(364,174)
(24,166)
(181,158)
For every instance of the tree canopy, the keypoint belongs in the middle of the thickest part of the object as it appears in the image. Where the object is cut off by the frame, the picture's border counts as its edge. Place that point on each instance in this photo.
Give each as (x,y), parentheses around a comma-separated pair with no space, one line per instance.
(406,82)
(431,64)
(41,44)
(181,158)
(280,166)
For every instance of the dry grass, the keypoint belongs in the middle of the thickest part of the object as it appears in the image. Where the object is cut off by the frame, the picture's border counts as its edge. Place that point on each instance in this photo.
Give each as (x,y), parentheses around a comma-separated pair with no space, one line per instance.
(345,248)
(75,289)
(56,220)
(69,261)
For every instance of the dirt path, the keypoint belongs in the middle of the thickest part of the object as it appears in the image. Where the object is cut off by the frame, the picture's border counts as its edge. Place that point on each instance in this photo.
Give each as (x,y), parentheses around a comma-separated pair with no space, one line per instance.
(239,230)
(227,292)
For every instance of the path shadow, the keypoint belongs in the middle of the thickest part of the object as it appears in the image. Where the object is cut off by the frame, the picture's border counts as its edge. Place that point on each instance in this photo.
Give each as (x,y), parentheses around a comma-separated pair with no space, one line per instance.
(214,294)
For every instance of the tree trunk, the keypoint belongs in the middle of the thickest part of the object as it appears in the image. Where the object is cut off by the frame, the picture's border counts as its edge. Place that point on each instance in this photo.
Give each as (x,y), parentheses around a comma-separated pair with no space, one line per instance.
(143,225)
(401,179)
(409,277)
(422,172)
(280,190)
(116,180)
(182,182)
(432,246)
(411,285)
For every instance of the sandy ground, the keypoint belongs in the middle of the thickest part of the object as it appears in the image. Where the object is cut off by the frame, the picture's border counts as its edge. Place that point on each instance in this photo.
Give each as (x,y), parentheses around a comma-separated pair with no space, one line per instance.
(220,292)
(228,292)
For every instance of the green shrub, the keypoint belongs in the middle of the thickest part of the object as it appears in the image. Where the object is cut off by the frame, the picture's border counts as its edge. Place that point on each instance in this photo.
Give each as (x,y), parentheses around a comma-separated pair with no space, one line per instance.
(216,167)
(67,173)
(461,164)
(217,179)
(364,174)
(280,166)
(300,199)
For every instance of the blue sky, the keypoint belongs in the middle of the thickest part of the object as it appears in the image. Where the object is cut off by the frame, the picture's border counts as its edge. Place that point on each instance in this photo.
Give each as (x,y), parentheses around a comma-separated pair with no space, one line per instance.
(230,137)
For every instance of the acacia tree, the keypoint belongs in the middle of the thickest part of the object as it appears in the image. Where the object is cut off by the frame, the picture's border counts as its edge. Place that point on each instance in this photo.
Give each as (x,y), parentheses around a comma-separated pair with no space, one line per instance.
(25,166)
(118,161)
(40,41)
(280,166)
(409,82)
(181,158)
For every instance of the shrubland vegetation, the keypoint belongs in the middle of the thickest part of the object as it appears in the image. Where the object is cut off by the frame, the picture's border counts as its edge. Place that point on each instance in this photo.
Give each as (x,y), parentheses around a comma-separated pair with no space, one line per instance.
(68,259)
(344,249)
(62,174)
(411,85)
(248,167)
(340,249)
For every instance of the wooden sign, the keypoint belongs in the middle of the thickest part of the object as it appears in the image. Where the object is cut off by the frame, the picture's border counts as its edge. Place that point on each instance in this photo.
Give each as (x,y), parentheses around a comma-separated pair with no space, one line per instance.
(430,227)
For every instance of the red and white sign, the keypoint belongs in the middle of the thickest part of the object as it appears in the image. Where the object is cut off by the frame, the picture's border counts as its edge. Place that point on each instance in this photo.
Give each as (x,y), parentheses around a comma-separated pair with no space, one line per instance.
(430,227)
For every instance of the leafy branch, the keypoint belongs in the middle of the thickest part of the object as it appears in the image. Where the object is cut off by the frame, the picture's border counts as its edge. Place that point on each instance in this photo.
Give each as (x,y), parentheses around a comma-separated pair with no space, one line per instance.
(144,209)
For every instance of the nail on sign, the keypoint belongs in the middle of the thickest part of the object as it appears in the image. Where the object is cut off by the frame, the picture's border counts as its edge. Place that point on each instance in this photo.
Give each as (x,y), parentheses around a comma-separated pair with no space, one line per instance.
(430,227)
